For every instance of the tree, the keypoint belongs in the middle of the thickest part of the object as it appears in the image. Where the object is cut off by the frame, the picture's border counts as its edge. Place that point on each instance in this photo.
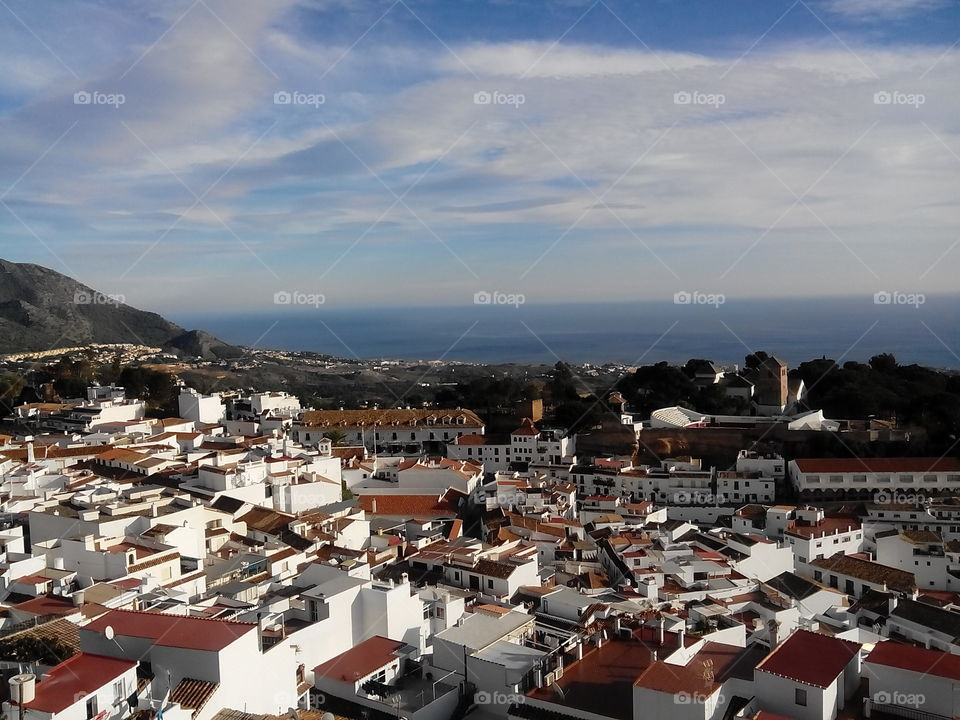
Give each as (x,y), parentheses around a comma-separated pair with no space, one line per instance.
(562,385)
(756,359)
(29,648)
(11,387)
(337,437)
(884,363)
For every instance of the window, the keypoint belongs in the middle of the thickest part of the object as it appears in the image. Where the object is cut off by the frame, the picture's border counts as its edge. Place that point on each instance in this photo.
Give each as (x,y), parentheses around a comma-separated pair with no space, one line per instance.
(118,691)
(91,707)
(489,584)
(800,697)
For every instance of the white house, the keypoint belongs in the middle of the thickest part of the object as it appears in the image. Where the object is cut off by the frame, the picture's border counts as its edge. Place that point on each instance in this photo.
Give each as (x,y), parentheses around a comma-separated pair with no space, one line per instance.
(83,687)
(873,478)
(808,676)
(905,680)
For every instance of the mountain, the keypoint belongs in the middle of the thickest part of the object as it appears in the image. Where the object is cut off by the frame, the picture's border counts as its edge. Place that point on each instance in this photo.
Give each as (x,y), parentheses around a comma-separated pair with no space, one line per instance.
(41,309)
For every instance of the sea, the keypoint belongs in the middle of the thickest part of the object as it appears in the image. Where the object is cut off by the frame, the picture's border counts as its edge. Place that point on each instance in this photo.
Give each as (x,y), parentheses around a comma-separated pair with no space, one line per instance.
(923,330)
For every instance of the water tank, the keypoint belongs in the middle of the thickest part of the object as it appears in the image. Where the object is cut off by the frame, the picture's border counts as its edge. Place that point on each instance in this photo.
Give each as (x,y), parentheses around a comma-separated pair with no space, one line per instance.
(23,688)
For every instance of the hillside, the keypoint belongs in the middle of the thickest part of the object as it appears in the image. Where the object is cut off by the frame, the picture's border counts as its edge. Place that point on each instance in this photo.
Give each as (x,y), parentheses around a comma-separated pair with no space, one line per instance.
(41,309)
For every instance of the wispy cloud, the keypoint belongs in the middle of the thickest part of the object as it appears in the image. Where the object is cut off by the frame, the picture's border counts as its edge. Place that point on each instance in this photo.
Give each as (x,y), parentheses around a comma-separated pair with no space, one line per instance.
(696,160)
(879,9)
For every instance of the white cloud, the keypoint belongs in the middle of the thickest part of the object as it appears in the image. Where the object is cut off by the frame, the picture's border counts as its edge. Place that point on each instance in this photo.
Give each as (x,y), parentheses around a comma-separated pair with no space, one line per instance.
(874,9)
(507,179)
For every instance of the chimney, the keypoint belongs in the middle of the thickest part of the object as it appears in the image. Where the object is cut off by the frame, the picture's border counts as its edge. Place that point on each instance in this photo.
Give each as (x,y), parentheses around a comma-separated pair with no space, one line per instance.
(660,631)
(680,633)
(31,456)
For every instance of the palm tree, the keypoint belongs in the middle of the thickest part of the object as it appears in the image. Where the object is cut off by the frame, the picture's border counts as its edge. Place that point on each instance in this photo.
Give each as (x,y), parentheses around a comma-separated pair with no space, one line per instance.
(337,437)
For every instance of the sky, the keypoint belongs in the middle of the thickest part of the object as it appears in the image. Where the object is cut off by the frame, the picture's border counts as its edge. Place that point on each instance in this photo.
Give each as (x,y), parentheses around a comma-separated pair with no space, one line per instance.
(209,155)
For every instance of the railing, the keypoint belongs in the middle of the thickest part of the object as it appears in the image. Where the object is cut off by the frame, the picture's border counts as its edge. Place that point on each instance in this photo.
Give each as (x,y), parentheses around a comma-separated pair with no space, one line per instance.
(27,624)
(906,712)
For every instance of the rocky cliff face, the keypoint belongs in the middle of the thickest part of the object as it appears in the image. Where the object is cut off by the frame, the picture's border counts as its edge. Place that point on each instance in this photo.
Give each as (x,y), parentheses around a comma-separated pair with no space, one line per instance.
(41,309)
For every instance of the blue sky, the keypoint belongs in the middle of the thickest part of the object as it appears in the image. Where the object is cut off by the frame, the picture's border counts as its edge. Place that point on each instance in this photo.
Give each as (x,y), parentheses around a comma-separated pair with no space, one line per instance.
(630,150)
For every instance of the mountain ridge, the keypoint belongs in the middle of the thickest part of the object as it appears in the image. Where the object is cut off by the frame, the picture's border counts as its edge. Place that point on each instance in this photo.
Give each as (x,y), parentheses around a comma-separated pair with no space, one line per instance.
(42,309)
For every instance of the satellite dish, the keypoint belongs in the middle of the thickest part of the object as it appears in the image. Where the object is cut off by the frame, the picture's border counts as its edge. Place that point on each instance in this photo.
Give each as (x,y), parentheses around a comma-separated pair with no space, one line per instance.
(109,633)
(327,716)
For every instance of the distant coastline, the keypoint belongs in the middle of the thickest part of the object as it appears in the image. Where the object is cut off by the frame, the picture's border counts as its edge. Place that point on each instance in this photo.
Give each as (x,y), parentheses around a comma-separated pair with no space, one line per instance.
(627,333)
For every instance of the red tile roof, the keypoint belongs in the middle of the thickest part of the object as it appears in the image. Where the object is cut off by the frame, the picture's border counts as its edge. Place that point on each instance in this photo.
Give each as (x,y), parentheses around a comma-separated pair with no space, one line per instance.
(810,658)
(47,605)
(177,631)
(193,694)
(407,506)
(827,526)
(472,439)
(702,675)
(361,660)
(526,428)
(74,679)
(916,659)
(878,465)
